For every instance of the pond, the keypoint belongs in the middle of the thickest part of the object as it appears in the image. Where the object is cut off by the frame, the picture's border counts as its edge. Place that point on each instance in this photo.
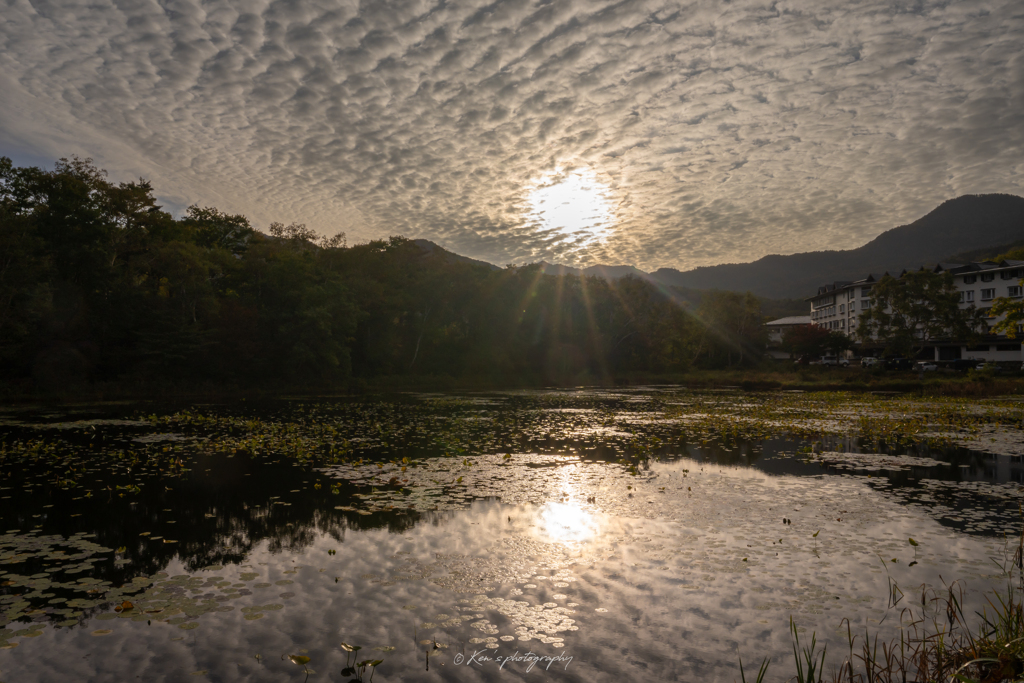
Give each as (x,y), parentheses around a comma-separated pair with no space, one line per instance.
(654,533)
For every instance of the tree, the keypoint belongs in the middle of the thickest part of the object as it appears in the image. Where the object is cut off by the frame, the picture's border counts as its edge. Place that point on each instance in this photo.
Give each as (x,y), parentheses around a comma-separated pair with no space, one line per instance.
(299,233)
(1012,311)
(917,308)
(733,328)
(812,340)
(25,293)
(211,228)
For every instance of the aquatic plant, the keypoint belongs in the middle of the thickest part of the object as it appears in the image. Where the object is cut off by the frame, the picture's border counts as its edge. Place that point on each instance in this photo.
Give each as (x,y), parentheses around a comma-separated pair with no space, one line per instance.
(937,642)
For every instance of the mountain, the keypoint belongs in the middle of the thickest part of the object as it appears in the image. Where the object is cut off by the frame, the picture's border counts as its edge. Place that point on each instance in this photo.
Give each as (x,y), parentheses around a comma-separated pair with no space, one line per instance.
(451,257)
(987,253)
(970,222)
(607,272)
(968,228)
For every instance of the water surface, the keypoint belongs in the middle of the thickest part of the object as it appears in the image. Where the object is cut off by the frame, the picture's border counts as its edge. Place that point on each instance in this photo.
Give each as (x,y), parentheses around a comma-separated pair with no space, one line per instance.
(656,534)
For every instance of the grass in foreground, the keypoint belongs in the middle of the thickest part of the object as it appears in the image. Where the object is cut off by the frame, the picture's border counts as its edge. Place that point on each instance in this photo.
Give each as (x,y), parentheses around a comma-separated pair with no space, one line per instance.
(937,642)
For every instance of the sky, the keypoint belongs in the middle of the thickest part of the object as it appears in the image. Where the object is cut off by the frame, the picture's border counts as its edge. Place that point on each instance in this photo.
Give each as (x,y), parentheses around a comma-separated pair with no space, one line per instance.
(642,132)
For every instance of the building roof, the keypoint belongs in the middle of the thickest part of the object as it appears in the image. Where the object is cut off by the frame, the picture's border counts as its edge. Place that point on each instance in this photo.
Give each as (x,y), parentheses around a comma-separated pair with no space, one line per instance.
(954,268)
(792,320)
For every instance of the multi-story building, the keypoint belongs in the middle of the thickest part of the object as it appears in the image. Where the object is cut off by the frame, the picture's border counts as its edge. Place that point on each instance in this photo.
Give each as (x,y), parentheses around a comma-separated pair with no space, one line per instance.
(777,328)
(837,306)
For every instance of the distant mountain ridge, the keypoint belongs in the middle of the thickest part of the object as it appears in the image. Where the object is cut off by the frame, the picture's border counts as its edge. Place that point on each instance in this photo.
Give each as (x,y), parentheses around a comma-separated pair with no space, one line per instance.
(450,256)
(967,225)
(968,228)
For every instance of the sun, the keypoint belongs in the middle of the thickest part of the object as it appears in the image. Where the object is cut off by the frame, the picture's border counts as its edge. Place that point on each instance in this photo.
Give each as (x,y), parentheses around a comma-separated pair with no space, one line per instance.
(574,204)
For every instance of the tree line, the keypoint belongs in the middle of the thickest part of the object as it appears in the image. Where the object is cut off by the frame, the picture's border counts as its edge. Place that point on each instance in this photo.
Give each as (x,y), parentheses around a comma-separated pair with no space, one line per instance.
(99,284)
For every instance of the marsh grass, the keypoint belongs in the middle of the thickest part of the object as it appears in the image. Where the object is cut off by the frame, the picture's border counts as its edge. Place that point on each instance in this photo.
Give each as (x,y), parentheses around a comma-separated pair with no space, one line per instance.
(938,642)
(766,377)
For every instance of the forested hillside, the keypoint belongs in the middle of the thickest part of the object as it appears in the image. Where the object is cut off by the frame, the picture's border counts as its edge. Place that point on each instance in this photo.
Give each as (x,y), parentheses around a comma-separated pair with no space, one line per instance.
(97,283)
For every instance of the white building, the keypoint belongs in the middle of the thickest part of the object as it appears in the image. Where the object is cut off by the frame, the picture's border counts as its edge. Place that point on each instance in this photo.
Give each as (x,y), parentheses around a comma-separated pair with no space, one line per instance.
(777,328)
(838,305)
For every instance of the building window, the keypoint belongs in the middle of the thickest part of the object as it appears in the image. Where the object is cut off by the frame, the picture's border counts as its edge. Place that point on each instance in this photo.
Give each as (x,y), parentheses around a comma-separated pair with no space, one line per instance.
(988,294)
(1008,347)
(842,308)
(988,277)
(970,279)
(966,297)
(842,323)
(1014,291)
(865,291)
(853,306)
(1007,274)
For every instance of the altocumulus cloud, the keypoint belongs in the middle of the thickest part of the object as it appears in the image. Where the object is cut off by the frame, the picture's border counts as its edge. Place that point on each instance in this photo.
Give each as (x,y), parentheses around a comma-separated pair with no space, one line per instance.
(722,131)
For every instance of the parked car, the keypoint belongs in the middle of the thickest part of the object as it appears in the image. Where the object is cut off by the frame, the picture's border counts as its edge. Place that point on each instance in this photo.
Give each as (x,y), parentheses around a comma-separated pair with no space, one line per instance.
(925,366)
(834,361)
(989,366)
(803,360)
(869,362)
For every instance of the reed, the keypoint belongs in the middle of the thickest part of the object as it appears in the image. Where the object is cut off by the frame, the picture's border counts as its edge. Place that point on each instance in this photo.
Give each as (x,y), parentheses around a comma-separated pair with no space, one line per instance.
(938,642)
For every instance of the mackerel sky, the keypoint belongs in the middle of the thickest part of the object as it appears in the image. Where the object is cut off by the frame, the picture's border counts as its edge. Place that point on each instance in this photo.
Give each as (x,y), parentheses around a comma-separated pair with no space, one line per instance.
(711,132)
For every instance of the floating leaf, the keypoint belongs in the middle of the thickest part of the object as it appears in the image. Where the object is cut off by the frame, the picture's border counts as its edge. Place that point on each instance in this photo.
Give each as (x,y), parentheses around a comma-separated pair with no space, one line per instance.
(301,660)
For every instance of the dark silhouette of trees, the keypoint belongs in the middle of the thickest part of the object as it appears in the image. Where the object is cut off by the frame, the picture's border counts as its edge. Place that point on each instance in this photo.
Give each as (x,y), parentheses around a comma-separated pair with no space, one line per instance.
(812,340)
(98,283)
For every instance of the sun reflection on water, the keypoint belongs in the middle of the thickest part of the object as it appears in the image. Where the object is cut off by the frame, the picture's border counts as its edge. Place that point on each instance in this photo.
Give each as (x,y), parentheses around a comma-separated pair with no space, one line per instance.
(567,522)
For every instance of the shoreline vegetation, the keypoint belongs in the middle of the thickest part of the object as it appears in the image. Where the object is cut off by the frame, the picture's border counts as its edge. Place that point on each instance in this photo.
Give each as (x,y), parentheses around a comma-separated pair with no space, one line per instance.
(937,642)
(784,379)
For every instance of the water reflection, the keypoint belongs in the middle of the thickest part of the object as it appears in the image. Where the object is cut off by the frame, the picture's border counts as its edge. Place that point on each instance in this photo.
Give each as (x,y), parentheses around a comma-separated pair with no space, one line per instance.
(534,529)
(567,522)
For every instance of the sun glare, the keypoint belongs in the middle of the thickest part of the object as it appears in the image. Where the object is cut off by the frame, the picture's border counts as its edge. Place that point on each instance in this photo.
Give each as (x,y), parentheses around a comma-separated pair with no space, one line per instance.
(567,522)
(575,204)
